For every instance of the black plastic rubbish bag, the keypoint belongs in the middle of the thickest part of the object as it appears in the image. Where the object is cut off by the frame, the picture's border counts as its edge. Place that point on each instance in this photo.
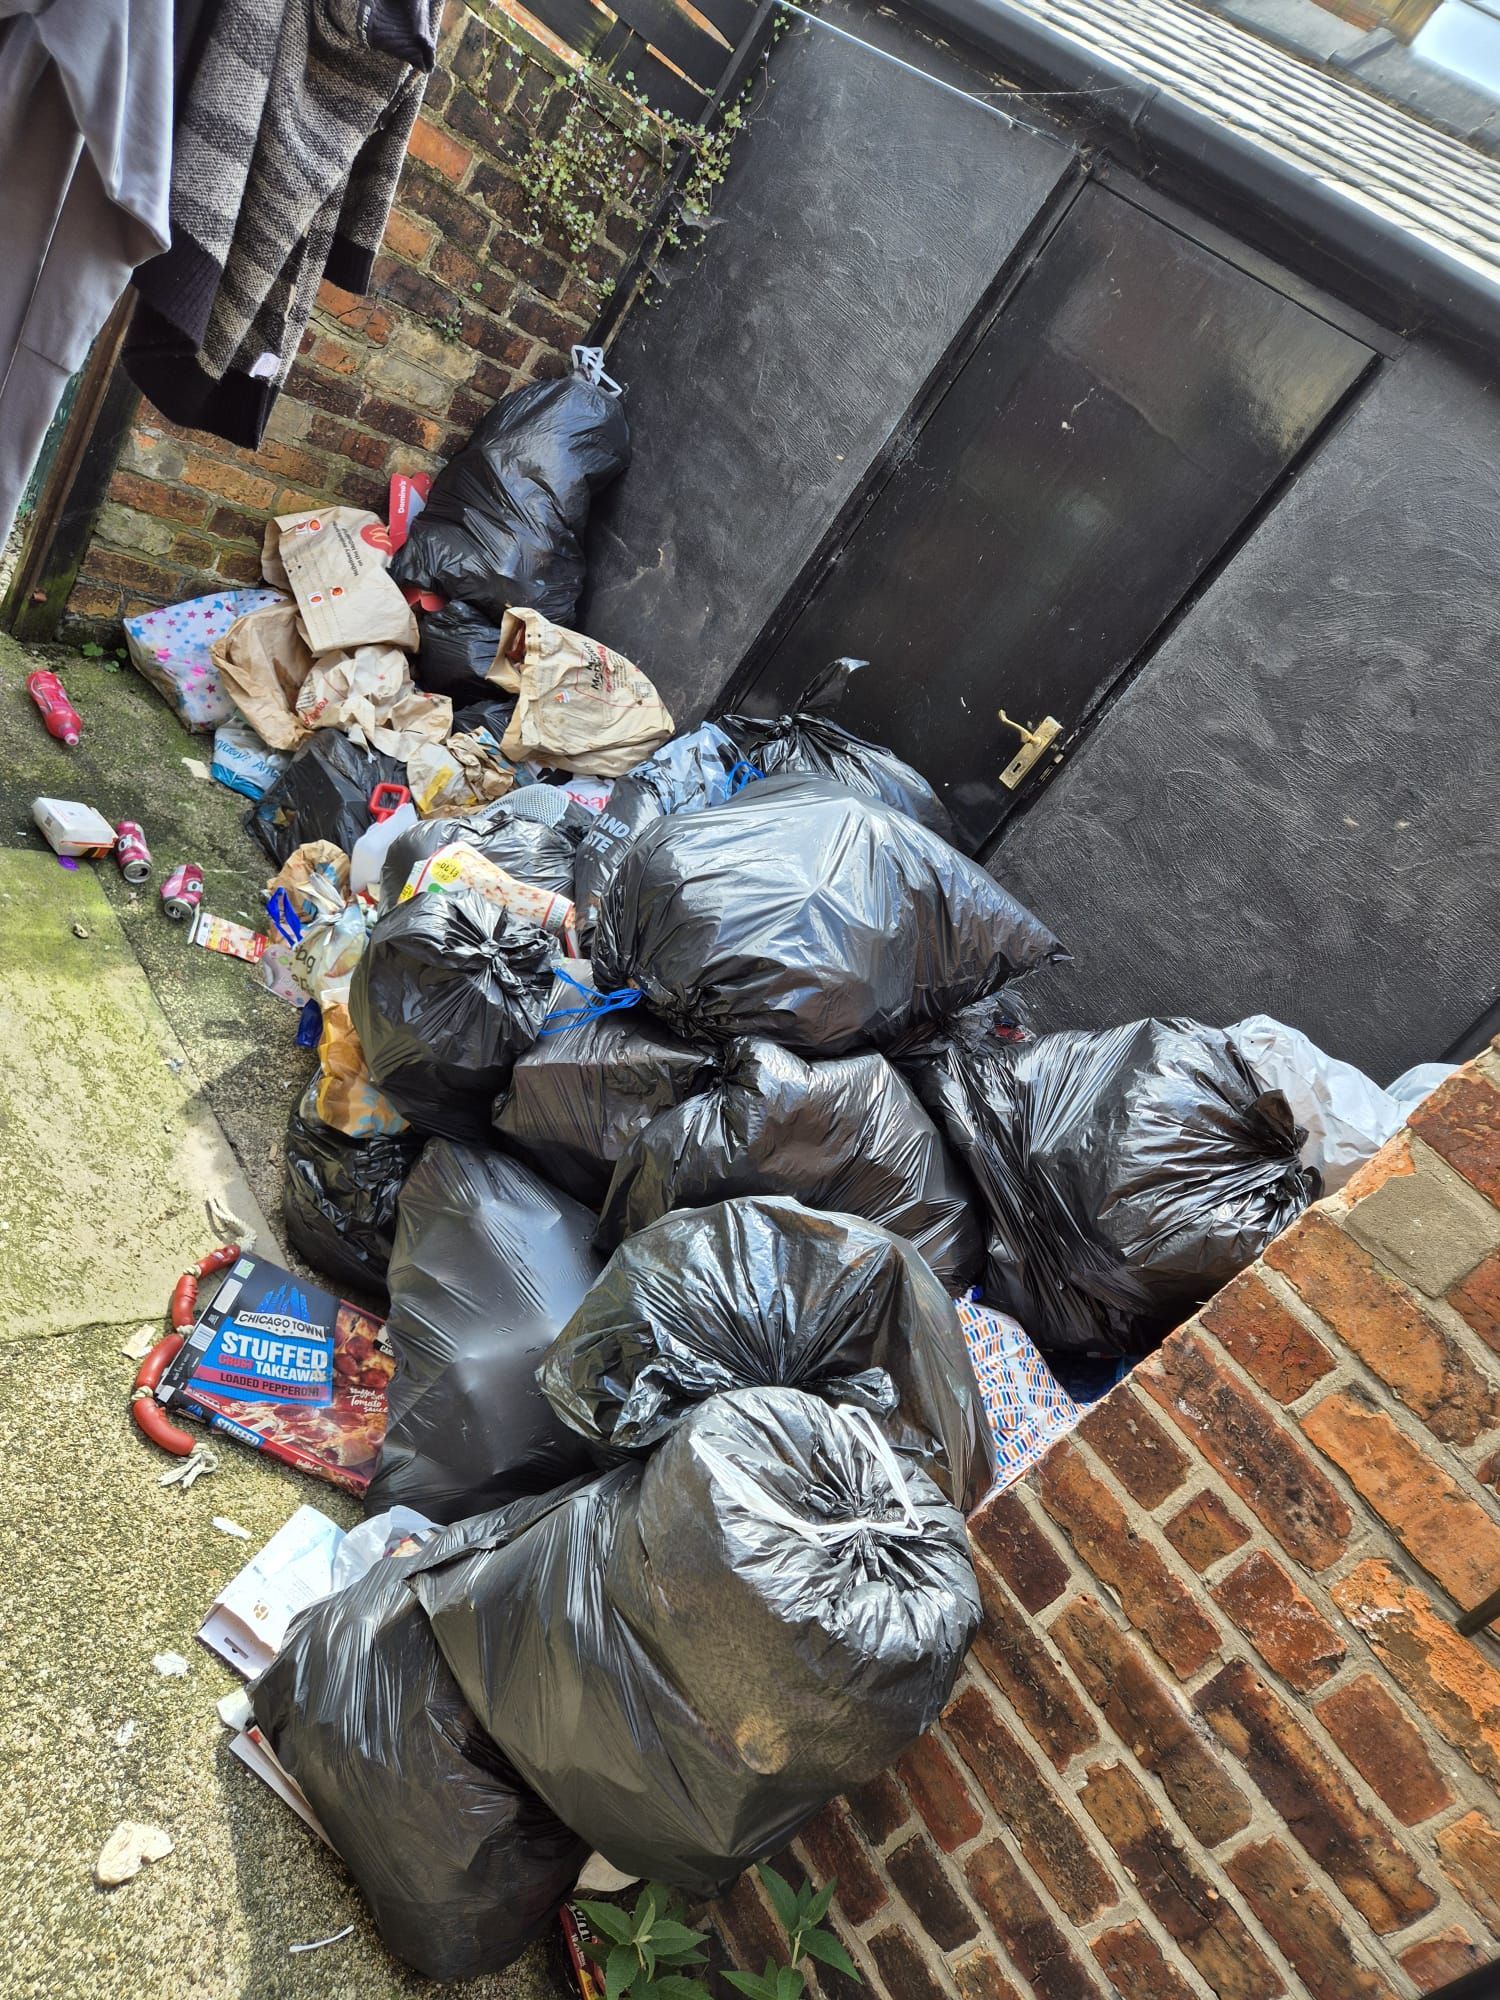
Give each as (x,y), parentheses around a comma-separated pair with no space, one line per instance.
(456,651)
(527,848)
(688,1659)
(804,913)
(810,740)
(492,712)
(340,1197)
(578,1096)
(489,1264)
(323,794)
(504,522)
(847,1134)
(762,1290)
(686,775)
(1126,1174)
(447,993)
(461,1864)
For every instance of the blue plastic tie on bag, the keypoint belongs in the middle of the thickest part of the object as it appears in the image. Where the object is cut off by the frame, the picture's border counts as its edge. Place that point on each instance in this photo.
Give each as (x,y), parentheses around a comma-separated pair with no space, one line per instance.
(594,1004)
(279,909)
(742,774)
(309,1026)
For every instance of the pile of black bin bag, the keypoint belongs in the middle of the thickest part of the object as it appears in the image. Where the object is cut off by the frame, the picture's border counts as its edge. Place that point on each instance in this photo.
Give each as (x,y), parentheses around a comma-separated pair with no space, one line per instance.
(671,1294)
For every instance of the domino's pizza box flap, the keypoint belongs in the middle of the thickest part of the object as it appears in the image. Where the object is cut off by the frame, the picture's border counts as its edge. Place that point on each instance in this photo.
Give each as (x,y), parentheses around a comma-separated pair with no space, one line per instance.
(286,1368)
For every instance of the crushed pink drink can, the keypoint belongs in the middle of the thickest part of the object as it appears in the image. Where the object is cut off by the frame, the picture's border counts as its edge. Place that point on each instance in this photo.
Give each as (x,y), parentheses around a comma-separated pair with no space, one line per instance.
(182,892)
(132,855)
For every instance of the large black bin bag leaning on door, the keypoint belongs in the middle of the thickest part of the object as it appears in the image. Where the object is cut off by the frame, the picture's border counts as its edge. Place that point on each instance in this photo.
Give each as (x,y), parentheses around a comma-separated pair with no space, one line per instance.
(802,912)
(687,1659)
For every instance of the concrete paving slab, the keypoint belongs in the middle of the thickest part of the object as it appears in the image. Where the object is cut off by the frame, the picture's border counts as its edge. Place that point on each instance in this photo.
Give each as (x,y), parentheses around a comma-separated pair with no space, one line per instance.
(104,1569)
(108,1150)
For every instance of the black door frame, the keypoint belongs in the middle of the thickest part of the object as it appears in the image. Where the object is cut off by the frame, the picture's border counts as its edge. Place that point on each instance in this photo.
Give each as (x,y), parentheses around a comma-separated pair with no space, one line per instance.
(1385,345)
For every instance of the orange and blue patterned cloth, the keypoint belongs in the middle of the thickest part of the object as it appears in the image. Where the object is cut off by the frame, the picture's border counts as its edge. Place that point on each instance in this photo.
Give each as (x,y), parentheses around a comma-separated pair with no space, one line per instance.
(1026,1405)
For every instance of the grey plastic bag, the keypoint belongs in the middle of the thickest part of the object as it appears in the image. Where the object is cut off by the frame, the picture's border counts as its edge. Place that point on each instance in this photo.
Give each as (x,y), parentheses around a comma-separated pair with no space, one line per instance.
(688,1659)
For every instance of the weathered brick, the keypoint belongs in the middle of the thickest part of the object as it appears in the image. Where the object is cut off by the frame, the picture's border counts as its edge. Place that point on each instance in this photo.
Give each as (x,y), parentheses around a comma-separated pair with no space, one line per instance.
(366,450)
(881,1807)
(1271,1344)
(1447,1676)
(458,219)
(353,313)
(437,148)
(288,462)
(1153,1600)
(413,291)
(1470,1851)
(1008,1649)
(494,379)
(1019,1918)
(472,120)
(498,343)
(394,420)
(230,526)
(114,566)
(533,317)
(1163,1734)
(979,1978)
(1477,1299)
(196,552)
(751,1928)
(1134,1447)
(1204,1531)
(834,1848)
(1451,1535)
(1303,1785)
(337,356)
(230,482)
(1303,1922)
(1385,1749)
(1393,1160)
(1030,1810)
(1135,1967)
(471,53)
(1388,1330)
(1019,1550)
(624,230)
(150,496)
(508,201)
(1461,1121)
(919,1875)
(904,1971)
(1269,1470)
(336,394)
(1206,1929)
(138,534)
(234,567)
(467,409)
(1438,1959)
(937,1790)
(89,599)
(1284,1625)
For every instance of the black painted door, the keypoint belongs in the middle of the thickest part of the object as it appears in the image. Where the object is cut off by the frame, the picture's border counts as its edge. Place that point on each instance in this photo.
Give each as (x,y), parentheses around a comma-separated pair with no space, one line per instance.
(1133,404)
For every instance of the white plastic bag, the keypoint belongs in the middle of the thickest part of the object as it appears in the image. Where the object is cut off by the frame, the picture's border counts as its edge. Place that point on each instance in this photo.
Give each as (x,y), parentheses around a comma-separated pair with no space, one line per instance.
(1348,1117)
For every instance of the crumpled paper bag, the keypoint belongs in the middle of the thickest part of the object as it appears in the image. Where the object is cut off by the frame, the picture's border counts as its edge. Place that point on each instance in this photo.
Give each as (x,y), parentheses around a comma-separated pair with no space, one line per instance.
(267,668)
(579,705)
(457,776)
(336,562)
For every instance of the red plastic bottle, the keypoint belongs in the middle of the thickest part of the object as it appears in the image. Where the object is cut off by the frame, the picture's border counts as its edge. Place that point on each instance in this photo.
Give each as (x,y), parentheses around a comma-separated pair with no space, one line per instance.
(61,717)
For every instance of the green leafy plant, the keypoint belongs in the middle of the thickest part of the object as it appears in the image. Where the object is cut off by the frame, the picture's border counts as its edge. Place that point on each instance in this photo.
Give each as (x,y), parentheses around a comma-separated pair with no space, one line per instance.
(650,1953)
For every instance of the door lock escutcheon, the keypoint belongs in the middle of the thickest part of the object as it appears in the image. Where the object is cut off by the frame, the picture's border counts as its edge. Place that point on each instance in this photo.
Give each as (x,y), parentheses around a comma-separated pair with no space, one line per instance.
(1034,742)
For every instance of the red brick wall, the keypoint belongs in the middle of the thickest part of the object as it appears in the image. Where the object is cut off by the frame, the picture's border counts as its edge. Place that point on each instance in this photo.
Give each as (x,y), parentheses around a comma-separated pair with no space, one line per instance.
(1218,1735)
(466,306)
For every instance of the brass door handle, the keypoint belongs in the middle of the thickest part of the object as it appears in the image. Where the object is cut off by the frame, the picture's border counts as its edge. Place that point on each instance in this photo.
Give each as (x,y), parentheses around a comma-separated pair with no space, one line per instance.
(1034,742)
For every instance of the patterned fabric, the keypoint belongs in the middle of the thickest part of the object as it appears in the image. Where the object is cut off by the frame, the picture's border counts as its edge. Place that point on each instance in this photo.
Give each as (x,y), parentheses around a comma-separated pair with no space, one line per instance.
(170,648)
(1026,1406)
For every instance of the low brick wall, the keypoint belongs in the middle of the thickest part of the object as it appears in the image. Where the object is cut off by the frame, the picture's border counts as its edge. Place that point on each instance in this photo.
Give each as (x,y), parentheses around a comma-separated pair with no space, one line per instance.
(1218,1734)
(465,308)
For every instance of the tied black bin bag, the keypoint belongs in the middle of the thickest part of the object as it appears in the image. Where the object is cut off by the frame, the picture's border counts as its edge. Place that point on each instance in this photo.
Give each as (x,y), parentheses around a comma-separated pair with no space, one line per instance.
(340,1197)
(810,740)
(687,1660)
(1126,1174)
(690,773)
(461,1864)
(806,914)
(577,1097)
(323,794)
(846,1134)
(457,649)
(529,849)
(447,993)
(761,1290)
(489,1264)
(504,522)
